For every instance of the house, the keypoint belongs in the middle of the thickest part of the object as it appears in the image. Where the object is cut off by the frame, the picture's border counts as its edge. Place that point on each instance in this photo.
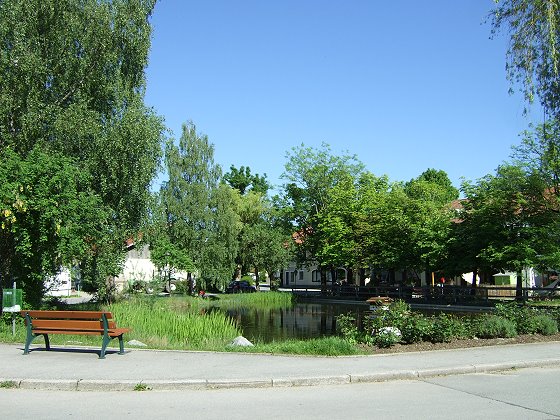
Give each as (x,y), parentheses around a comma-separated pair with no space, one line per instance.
(138,267)
(59,284)
(140,270)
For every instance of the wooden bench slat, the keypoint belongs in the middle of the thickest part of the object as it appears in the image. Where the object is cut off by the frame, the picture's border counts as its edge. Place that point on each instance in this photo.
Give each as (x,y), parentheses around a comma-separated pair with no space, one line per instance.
(67,323)
(112,333)
(92,315)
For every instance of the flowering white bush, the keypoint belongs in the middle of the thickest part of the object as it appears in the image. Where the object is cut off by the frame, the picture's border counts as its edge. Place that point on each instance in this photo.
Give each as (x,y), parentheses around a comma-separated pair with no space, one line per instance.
(390,330)
(387,336)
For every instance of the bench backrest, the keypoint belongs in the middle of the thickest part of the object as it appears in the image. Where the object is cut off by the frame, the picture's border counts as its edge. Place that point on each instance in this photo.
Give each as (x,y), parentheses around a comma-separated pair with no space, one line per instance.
(76,320)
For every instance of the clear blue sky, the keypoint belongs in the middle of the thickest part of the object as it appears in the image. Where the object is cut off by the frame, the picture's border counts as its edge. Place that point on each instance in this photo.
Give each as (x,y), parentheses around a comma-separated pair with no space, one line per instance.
(405,85)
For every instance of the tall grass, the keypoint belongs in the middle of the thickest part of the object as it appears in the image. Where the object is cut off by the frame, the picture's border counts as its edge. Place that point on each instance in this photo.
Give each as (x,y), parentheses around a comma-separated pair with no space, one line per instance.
(324,346)
(268,300)
(157,324)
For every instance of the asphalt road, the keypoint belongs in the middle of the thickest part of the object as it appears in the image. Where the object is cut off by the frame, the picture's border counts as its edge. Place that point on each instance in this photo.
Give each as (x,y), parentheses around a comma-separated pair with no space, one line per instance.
(530,393)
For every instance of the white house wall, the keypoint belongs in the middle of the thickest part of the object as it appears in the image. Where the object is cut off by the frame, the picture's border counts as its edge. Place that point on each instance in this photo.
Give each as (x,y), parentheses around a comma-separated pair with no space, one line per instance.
(59,285)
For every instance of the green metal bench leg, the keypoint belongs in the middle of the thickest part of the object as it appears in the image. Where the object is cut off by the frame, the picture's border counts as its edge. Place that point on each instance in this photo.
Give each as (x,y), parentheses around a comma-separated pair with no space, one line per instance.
(121,344)
(47,342)
(28,341)
(106,340)
(29,336)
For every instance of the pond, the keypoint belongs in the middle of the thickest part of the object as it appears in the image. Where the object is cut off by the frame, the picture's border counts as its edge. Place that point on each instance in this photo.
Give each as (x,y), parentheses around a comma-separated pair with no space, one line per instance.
(301,321)
(304,320)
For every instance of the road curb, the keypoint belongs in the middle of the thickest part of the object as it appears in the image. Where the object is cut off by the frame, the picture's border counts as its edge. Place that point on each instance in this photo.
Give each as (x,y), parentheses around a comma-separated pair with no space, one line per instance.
(202,384)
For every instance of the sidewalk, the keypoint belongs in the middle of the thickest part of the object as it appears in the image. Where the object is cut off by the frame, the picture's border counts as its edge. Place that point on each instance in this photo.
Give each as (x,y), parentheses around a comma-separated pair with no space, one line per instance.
(80,369)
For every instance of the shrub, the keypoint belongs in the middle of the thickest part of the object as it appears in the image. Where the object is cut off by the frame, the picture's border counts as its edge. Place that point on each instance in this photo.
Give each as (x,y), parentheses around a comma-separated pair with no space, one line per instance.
(445,328)
(522,316)
(545,325)
(397,315)
(418,328)
(494,326)
(346,327)
(387,337)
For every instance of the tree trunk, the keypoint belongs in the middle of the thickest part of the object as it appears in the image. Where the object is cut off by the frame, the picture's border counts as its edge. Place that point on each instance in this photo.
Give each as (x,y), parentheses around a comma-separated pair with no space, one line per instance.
(519,286)
(189,283)
(323,280)
(350,276)
(362,277)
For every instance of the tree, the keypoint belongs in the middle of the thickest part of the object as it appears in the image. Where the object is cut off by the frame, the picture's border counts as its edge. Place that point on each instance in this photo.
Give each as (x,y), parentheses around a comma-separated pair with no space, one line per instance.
(433,185)
(509,211)
(336,244)
(242,180)
(169,258)
(48,218)
(218,259)
(72,82)
(430,214)
(262,244)
(533,57)
(311,174)
(539,151)
(199,213)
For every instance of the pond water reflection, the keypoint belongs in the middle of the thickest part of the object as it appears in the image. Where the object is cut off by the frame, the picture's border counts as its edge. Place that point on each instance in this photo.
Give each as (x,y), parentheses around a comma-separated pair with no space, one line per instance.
(307,320)
(302,321)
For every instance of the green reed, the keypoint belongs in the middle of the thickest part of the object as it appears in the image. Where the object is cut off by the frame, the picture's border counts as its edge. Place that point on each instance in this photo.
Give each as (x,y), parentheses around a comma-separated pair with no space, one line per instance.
(263,300)
(159,324)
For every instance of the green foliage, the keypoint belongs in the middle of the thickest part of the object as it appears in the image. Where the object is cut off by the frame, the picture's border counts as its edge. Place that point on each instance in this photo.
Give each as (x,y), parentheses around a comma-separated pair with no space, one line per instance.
(169,258)
(433,185)
(49,217)
(528,320)
(386,337)
(507,219)
(417,328)
(195,212)
(158,325)
(247,278)
(326,346)
(71,94)
(493,326)
(8,384)
(347,328)
(266,300)
(446,327)
(545,325)
(244,181)
(310,174)
(262,244)
(141,387)
(533,57)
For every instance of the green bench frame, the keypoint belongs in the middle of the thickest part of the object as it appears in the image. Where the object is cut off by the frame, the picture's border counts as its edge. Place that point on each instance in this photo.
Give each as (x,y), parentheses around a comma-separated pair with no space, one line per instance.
(73,323)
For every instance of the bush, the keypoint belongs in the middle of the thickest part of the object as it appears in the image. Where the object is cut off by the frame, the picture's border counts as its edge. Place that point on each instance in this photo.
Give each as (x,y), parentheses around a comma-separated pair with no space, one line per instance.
(522,316)
(346,327)
(545,324)
(494,326)
(387,337)
(398,314)
(418,328)
(445,328)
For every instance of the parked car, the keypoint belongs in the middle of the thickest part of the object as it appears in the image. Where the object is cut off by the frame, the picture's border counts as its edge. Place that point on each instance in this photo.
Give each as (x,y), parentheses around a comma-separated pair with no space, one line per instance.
(240,286)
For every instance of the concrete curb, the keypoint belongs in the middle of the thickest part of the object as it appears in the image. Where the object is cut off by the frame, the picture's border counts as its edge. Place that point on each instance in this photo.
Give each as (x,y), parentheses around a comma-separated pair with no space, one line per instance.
(177,385)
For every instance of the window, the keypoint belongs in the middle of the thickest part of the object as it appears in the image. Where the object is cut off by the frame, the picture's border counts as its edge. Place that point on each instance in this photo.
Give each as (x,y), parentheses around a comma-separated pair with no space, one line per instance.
(316,276)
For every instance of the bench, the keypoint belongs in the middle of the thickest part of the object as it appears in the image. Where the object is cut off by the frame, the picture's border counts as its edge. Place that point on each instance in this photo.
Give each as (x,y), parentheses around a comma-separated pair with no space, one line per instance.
(74,323)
